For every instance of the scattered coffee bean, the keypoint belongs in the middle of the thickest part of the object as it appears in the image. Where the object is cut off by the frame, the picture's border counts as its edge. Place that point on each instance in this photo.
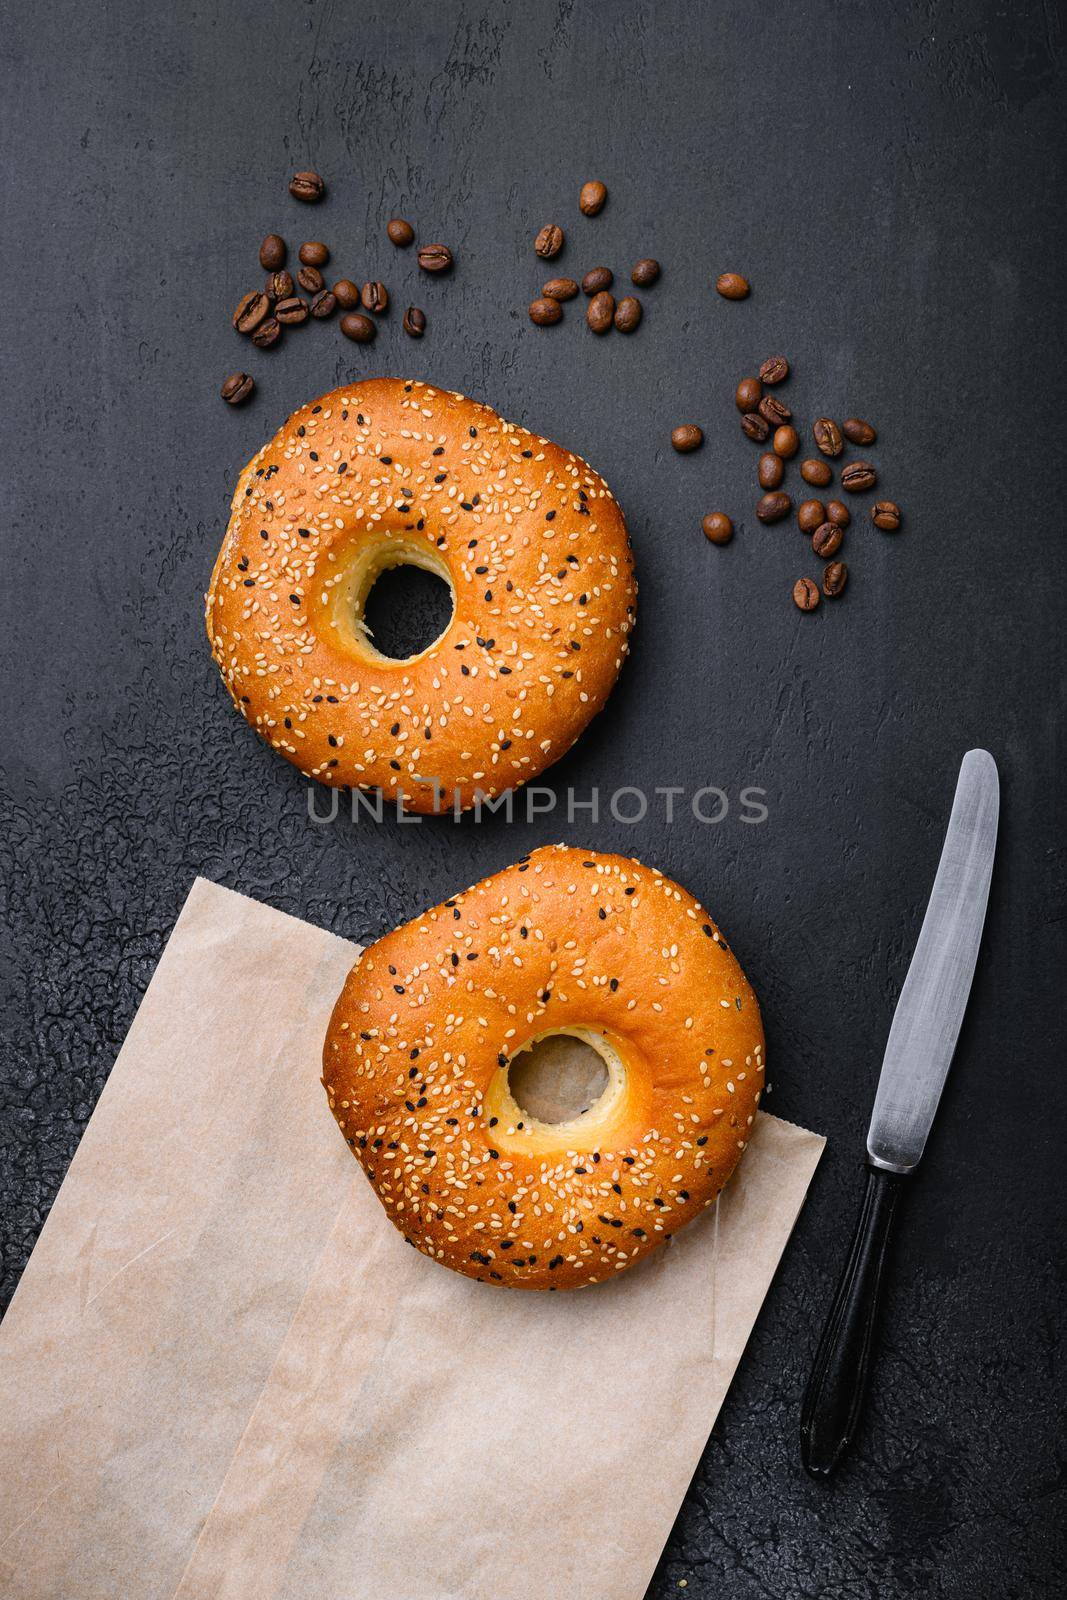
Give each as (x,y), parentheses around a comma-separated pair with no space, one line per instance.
(771,471)
(414,322)
(826,540)
(600,312)
(400,232)
(810,514)
(687,437)
(251,310)
(748,394)
(773,409)
(307,186)
(354,325)
(838,513)
(311,279)
(549,241)
(732,286)
(592,197)
(805,594)
(834,579)
(375,297)
(816,472)
(885,514)
(786,441)
(545,311)
(435,257)
(313,253)
(598,279)
(346,293)
(755,426)
(645,272)
(291,311)
(267,334)
(775,370)
(628,313)
(773,507)
(272,252)
(237,388)
(324,305)
(858,476)
(718,527)
(559,289)
(856,431)
(279,285)
(828,436)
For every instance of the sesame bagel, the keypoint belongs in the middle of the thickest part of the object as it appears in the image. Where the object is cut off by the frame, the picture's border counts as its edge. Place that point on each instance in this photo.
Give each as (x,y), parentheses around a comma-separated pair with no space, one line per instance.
(530,540)
(432,1017)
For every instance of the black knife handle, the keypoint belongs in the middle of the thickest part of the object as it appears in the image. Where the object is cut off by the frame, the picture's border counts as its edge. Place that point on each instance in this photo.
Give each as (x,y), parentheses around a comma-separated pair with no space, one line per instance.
(834,1396)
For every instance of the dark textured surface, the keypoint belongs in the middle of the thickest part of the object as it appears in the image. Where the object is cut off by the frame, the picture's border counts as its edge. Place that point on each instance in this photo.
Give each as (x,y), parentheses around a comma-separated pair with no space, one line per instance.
(891,181)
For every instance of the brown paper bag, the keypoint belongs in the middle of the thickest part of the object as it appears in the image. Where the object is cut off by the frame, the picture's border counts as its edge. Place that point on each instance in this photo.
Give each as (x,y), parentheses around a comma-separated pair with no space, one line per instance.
(224,1376)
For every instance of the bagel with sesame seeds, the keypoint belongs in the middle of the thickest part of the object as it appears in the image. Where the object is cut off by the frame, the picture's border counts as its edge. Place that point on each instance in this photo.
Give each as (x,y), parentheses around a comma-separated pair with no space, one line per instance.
(530,540)
(432,1018)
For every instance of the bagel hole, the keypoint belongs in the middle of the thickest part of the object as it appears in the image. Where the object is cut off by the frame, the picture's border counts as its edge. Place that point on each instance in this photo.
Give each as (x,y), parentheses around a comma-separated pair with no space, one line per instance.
(406,610)
(557,1078)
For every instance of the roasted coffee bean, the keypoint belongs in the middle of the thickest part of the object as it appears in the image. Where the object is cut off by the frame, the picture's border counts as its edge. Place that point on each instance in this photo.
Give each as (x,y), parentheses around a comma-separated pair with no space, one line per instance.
(687,437)
(774,370)
(600,312)
(375,297)
(267,334)
(805,594)
(324,305)
(748,394)
(718,527)
(628,313)
(559,289)
(279,285)
(856,431)
(885,514)
(834,579)
(251,310)
(311,279)
(732,286)
(434,257)
(346,293)
(828,436)
(313,253)
(354,325)
(771,471)
(414,322)
(400,232)
(237,388)
(549,241)
(272,252)
(645,272)
(810,514)
(826,540)
(306,186)
(773,409)
(786,441)
(755,427)
(545,311)
(597,280)
(858,476)
(293,310)
(816,472)
(838,513)
(592,197)
(773,507)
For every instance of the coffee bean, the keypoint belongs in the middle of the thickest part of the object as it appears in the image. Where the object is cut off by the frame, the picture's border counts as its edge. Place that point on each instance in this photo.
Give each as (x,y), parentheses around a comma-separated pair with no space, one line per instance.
(786,441)
(324,305)
(291,311)
(267,334)
(600,312)
(279,285)
(628,313)
(828,436)
(251,310)
(435,257)
(306,186)
(748,394)
(773,507)
(375,297)
(272,252)
(559,289)
(732,286)
(885,514)
(545,311)
(598,279)
(354,325)
(645,272)
(834,579)
(755,426)
(311,279)
(414,322)
(549,241)
(400,232)
(237,388)
(313,253)
(774,370)
(838,513)
(856,431)
(592,197)
(816,472)
(687,437)
(773,409)
(346,293)
(771,471)
(810,514)
(718,527)
(805,594)
(858,476)
(826,540)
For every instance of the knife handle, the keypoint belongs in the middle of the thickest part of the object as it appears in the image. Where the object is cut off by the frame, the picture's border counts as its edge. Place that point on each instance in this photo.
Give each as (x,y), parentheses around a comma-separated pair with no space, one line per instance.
(834,1396)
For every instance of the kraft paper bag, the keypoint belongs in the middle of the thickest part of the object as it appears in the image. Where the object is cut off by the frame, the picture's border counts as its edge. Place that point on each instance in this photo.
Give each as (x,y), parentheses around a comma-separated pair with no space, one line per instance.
(224,1375)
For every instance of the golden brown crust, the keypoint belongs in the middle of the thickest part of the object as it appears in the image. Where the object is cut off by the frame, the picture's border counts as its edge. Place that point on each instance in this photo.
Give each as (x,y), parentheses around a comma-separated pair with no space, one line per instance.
(531,539)
(415,1067)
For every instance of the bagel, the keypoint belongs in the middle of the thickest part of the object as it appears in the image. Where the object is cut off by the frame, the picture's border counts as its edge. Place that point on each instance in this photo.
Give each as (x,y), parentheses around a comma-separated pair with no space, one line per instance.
(530,540)
(418,1052)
